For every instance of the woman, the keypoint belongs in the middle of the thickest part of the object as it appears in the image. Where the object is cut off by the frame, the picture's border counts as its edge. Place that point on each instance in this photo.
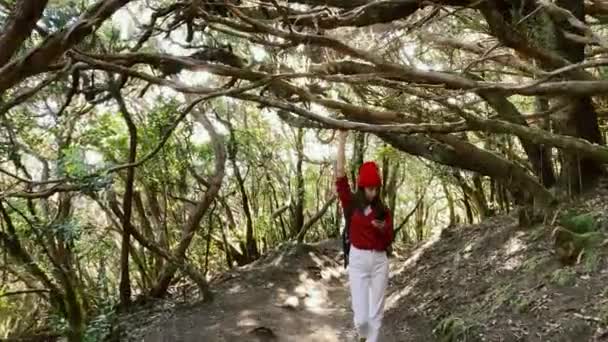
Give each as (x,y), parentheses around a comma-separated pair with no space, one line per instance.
(369,239)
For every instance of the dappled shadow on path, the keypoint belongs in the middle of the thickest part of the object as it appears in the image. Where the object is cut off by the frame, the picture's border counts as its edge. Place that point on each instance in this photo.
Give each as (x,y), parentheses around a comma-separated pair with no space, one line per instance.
(299,294)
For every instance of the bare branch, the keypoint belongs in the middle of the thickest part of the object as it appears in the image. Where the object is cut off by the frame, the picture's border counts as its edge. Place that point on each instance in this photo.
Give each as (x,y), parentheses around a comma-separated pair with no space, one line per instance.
(306,226)
(506,60)
(28,291)
(19,26)
(359,126)
(54,46)
(27,94)
(561,13)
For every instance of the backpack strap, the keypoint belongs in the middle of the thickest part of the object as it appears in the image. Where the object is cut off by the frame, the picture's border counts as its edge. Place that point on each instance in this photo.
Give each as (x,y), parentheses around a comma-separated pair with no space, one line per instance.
(348,213)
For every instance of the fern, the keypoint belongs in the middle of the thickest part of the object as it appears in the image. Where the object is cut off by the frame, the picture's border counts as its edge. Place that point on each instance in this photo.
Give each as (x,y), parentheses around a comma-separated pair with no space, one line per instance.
(580,224)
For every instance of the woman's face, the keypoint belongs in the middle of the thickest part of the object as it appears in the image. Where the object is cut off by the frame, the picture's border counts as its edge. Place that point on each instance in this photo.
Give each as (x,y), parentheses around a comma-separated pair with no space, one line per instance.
(370,193)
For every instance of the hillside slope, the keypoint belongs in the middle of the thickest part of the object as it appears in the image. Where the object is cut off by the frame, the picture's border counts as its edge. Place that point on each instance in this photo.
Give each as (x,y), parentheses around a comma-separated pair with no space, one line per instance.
(488,282)
(497,282)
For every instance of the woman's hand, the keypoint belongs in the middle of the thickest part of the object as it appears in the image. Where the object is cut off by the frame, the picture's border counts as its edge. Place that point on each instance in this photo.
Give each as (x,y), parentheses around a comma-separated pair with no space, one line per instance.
(378,224)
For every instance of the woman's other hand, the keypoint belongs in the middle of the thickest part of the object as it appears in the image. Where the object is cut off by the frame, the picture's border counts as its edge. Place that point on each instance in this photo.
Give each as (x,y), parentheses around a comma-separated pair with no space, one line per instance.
(378,224)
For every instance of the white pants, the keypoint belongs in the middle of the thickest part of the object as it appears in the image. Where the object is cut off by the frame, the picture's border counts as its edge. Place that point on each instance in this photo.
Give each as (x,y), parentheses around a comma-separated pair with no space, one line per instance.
(368,277)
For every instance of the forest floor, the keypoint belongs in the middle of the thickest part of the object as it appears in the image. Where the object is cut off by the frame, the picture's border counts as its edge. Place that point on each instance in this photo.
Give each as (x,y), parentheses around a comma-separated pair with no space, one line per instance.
(296,293)
(492,281)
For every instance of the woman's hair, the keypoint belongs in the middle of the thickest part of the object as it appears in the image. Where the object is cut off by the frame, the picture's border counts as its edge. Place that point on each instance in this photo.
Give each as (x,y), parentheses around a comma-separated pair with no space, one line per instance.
(360,201)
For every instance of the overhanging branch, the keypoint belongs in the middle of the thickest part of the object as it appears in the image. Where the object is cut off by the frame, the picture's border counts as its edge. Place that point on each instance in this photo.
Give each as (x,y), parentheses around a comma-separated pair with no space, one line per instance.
(19,26)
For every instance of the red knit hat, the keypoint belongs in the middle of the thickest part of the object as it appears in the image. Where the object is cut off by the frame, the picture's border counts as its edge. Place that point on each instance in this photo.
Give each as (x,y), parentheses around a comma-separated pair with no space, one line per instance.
(369,176)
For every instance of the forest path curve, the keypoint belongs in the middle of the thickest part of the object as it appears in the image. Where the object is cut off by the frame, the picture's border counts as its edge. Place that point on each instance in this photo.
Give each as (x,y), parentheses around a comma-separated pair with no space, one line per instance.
(299,293)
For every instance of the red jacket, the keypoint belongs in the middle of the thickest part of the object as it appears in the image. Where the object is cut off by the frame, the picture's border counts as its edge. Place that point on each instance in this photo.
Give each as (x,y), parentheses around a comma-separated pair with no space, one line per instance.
(363,234)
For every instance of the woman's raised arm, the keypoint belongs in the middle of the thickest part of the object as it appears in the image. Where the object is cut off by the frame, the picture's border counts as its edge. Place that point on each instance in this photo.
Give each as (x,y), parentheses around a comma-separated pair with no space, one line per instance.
(342,186)
(340,158)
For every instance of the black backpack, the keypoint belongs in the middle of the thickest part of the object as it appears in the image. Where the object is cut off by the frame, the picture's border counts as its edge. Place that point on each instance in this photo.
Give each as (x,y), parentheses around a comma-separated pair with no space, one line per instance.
(348,213)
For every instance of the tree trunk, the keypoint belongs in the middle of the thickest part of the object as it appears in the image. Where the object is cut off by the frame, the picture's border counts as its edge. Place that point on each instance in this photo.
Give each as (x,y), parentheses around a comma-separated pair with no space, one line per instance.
(504,198)
(468,197)
(450,199)
(198,212)
(467,205)
(480,197)
(407,218)
(580,119)
(160,225)
(385,167)
(251,249)
(226,247)
(358,156)
(251,244)
(390,170)
(541,104)
(75,314)
(391,186)
(125,282)
(298,207)
(11,243)
(337,220)
(208,243)
(148,232)
(419,221)
(276,202)
(541,38)
(66,274)
(539,159)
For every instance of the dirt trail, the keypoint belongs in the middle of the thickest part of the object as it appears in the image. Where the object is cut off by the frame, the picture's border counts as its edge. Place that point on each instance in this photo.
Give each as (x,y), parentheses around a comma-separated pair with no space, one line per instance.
(489,282)
(298,293)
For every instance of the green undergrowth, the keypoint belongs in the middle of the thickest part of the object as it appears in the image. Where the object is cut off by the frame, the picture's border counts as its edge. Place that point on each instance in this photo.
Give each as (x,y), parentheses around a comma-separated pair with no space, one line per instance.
(578,237)
(579,222)
(563,277)
(456,329)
